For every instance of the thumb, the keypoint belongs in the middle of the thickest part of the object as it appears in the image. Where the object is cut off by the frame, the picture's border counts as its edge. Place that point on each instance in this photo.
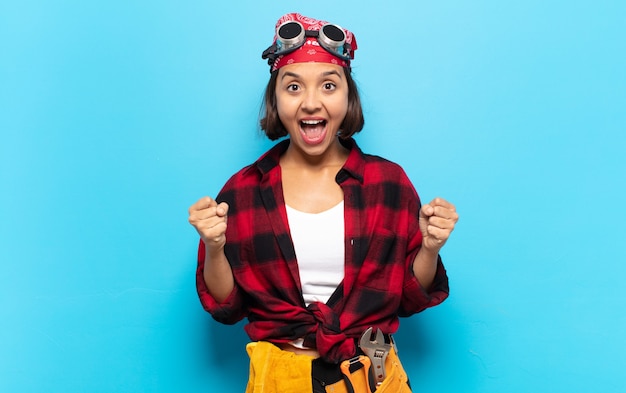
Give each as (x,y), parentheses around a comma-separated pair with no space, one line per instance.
(426,211)
(222,209)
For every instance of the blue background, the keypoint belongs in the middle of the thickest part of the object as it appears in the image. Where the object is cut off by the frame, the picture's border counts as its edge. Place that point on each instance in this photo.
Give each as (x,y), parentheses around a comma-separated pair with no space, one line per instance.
(116,115)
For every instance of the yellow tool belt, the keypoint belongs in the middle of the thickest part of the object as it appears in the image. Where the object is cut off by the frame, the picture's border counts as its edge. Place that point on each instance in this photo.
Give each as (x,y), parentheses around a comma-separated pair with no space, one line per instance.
(273,370)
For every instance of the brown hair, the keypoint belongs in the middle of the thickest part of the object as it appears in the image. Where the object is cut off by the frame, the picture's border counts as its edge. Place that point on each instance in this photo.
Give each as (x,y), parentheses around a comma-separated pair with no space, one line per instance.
(274,129)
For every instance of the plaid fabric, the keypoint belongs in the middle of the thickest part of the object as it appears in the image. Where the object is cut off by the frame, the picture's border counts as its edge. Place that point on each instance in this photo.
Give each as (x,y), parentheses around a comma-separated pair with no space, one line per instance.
(382,238)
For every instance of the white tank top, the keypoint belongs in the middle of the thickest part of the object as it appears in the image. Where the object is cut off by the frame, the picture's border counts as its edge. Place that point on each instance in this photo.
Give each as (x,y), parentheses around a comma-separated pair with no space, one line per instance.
(318,240)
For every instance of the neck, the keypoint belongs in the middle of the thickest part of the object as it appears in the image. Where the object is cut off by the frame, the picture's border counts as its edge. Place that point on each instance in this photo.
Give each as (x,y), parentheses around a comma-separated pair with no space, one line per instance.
(336,155)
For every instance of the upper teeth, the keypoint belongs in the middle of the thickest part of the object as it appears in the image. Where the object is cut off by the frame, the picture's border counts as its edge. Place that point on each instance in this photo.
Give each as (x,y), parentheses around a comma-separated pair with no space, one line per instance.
(312,122)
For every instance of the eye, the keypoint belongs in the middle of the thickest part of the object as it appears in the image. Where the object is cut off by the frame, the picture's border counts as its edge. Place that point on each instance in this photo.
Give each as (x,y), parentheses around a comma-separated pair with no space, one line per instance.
(293,87)
(329,86)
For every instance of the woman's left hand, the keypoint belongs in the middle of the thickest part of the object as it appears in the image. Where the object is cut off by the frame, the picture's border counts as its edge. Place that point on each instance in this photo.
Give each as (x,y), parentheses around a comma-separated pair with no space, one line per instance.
(437,221)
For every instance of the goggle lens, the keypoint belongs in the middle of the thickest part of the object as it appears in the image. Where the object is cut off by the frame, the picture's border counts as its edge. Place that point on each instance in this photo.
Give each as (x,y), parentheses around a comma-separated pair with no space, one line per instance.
(290,35)
(332,38)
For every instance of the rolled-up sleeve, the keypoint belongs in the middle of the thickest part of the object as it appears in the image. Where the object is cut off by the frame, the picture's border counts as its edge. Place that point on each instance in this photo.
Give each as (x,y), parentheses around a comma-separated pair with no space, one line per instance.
(231,310)
(416,298)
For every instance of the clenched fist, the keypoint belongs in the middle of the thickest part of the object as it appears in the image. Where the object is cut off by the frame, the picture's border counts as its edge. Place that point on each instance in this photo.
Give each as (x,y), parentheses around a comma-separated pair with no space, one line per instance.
(210,220)
(437,221)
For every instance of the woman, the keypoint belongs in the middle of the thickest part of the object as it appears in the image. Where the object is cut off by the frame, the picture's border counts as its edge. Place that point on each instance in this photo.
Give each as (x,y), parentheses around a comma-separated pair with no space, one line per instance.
(316,241)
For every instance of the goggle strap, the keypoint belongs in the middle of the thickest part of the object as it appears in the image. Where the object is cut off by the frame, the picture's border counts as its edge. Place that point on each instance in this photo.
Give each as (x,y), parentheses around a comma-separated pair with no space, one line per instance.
(269,52)
(311,33)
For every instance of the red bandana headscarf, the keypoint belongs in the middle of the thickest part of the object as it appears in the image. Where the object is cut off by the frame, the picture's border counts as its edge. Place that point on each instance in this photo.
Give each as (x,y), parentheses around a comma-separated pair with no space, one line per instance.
(311,50)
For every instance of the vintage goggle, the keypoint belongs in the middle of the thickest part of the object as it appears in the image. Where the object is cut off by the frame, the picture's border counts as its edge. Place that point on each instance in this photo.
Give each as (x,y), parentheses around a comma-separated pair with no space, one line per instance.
(291,35)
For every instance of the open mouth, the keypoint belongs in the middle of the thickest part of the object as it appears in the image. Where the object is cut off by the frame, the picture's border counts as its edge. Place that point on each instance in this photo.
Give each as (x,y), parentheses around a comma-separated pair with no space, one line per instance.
(313,130)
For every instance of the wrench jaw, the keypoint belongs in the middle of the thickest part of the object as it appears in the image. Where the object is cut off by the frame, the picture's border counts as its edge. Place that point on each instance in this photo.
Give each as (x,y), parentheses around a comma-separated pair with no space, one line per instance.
(377,350)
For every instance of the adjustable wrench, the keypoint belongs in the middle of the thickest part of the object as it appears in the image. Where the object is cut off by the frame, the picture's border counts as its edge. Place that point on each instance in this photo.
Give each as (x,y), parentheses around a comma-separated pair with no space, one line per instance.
(377,350)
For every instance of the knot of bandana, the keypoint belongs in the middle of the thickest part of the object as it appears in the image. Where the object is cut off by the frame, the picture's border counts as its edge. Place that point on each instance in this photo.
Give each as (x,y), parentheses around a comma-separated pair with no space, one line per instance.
(311,50)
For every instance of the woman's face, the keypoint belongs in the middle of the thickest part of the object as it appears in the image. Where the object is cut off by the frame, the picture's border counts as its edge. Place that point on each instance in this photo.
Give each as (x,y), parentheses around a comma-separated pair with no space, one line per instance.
(312,101)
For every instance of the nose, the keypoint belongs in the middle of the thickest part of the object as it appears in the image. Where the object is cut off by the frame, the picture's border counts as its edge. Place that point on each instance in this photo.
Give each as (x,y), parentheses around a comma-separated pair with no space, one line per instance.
(311,101)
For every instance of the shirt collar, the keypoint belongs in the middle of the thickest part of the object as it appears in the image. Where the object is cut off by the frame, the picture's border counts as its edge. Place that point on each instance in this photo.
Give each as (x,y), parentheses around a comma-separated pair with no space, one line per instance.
(271,158)
(355,164)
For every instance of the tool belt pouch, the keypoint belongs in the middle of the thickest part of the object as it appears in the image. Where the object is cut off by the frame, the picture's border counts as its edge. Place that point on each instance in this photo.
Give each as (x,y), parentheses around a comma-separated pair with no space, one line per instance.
(275,370)
(396,380)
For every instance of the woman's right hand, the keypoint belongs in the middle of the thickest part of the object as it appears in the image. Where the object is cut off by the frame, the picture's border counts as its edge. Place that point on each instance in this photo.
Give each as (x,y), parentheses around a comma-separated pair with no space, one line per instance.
(210,220)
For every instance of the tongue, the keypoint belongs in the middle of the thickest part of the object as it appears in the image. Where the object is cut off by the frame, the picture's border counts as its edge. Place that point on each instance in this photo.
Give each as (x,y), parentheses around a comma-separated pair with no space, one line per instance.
(313,133)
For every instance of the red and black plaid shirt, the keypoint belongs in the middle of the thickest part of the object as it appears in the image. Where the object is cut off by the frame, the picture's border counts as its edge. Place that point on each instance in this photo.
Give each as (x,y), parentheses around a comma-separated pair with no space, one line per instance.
(382,238)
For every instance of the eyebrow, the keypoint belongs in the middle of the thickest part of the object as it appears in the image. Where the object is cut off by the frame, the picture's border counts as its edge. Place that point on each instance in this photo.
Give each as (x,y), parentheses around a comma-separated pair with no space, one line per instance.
(333,72)
(294,75)
(286,74)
